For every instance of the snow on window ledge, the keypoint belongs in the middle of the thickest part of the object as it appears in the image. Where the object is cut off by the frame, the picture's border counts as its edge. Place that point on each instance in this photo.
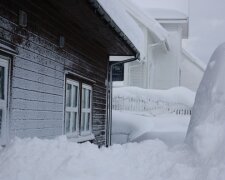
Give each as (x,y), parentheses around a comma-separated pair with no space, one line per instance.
(82,138)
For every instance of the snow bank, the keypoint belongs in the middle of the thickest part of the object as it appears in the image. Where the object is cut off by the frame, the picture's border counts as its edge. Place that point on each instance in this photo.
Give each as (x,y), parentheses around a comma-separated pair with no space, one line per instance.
(177,100)
(59,159)
(206,132)
(35,159)
(140,116)
(134,127)
(127,126)
(180,95)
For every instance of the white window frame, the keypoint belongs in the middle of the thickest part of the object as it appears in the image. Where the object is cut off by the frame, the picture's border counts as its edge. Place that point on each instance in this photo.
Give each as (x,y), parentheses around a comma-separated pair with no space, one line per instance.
(3,103)
(86,110)
(80,135)
(73,109)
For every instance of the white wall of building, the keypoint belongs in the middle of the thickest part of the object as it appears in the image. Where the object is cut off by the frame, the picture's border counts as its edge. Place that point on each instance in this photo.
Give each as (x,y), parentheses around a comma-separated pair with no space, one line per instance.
(162,68)
(166,63)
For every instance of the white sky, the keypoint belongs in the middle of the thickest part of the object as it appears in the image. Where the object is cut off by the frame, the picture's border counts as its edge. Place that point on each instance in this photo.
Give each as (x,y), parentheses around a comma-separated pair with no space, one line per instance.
(207,22)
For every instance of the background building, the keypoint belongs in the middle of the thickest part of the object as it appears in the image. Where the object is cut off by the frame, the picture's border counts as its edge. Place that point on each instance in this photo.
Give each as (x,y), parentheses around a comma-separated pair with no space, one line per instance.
(165,64)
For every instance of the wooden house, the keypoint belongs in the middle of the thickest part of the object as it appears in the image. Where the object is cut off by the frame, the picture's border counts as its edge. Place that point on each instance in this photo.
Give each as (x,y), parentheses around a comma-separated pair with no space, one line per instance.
(54,58)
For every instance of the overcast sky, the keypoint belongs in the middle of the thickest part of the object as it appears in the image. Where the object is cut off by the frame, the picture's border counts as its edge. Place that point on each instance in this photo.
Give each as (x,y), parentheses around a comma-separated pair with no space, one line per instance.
(207,22)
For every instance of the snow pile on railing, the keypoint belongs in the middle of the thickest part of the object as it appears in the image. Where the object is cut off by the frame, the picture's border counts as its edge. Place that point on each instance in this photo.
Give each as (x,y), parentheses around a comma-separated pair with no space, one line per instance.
(177,100)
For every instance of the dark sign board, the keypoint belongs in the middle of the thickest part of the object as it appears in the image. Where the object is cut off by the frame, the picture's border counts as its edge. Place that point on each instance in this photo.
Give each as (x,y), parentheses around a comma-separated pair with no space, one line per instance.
(118,72)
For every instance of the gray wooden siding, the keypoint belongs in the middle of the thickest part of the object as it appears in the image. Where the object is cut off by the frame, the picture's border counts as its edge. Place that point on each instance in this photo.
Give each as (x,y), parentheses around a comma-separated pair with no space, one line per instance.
(37,84)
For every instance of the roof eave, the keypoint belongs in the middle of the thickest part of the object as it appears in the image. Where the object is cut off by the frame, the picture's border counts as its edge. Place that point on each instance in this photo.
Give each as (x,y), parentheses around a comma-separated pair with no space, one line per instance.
(100,10)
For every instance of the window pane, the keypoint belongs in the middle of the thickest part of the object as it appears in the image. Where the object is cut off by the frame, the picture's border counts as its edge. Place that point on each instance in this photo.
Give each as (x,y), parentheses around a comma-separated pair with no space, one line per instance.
(88,122)
(74,121)
(83,97)
(86,98)
(2,70)
(75,93)
(67,119)
(68,95)
(83,121)
(89,99)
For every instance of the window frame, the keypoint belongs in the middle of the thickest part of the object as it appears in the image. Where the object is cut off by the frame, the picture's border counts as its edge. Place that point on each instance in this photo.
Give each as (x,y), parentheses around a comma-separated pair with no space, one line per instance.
(86,110)
(80,136)
(4,62)
(72,109)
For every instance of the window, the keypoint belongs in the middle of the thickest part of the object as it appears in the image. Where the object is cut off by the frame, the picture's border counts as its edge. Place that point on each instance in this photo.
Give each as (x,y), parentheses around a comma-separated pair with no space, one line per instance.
(72,108)
(78,110)
(3,99)
(86,110)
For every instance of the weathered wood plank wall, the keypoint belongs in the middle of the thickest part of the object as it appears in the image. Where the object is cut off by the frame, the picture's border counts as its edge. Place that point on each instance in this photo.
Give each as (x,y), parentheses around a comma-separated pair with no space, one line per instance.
(37,76)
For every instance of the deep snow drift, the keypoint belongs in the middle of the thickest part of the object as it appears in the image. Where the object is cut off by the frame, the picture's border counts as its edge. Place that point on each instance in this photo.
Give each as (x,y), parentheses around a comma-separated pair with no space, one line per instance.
(59,159)
(150,114)
(137,127)
(207,127)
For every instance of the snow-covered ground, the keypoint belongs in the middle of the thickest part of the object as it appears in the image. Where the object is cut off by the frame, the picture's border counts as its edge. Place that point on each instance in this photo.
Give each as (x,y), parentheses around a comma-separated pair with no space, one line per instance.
(59,159)
(200,158)
(150,114)
(137,127)
(157,151)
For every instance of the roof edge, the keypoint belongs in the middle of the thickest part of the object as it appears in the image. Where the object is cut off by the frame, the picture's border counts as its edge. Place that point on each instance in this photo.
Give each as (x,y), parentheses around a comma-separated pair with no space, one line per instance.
(149,22)
(194,60)
(104,15)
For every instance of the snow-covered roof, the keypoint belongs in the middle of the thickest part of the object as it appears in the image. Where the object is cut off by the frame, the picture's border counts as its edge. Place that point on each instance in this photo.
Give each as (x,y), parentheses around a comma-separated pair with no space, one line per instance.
(179,5)
(194,60)
(118,11)
(148,21)
(166,14)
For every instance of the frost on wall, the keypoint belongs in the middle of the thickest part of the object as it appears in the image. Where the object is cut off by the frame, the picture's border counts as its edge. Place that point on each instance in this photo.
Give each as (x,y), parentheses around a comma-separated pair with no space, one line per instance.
(206,133)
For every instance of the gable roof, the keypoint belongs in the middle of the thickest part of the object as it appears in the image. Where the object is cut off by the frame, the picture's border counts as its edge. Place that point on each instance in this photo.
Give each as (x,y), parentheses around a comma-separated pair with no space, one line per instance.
(153,26)
(125,15)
